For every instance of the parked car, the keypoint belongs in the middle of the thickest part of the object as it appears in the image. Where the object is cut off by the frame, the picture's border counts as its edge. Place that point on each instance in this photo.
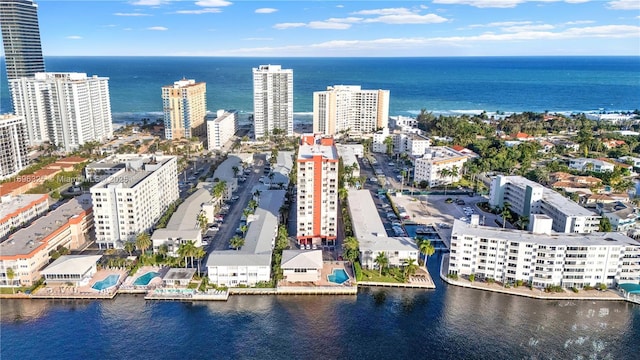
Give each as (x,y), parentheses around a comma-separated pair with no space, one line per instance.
(235,198)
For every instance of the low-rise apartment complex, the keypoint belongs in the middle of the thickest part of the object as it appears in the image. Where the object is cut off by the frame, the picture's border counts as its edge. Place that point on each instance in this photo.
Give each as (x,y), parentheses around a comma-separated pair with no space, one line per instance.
(28,250)
(133,198)
(527,197)
(440,165)
(543,258)
(372,236)
(252,262)
(16,211)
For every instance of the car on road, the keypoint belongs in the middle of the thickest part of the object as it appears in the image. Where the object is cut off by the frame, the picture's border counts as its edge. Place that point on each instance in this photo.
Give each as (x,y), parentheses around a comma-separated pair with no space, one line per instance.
(460,202)
(235,198)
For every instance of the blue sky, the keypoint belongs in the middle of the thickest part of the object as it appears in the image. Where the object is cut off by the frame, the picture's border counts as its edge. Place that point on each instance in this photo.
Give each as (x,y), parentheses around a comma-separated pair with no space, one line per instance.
(340,28)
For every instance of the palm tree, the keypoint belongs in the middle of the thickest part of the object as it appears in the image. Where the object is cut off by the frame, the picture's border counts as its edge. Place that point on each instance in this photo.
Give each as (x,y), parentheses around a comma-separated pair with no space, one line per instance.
(143,242)
(522,222)
(244,229)
(389,142)
(505,212)
(343,193)
(453,172)
(444,172)
(253,204)
(129,246)
(410,268)
(382,260)
(163,250)
(236,242)
(623,185)
(183,252)
(236,170)
(350,247)
(219,189)
(199,254)
(426,248)
(11,274)
(256,195)
(203,221)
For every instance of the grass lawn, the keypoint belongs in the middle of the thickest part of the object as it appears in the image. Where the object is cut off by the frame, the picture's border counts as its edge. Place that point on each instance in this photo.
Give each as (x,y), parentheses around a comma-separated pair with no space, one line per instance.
(374,275)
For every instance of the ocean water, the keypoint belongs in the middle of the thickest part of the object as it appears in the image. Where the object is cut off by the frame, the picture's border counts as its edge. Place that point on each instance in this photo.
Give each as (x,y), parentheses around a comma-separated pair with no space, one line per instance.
(446,323)
(441,85)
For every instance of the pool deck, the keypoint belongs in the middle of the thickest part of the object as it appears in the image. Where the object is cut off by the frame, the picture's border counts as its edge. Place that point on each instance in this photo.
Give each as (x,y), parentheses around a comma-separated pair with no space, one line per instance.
(128,286)
(64,291)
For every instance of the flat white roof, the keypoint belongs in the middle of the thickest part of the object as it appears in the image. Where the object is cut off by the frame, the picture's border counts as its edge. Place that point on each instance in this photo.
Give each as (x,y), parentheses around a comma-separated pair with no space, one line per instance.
(302,259)
(461,228)
(11,204)
(71,264)
(186,215)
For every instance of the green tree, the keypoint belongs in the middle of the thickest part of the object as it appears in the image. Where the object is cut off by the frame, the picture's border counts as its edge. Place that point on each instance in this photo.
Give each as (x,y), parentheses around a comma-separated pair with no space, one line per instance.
(11,274)
(199,254)
(143,242)
(505,212)
(388,141)
(203,221)
(350,248)
(605,225)
(426,248)
(522,222)
(236,170)
(410,268)
(244,229)
(129,246)
(219,189)
(236,242)
(382,260)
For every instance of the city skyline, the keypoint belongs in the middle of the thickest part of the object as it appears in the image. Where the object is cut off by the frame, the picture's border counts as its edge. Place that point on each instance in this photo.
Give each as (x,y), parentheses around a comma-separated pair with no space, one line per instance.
(332,28)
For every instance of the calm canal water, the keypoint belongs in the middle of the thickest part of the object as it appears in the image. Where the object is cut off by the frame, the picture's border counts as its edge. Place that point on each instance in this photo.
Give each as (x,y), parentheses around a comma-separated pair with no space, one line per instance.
(446,323)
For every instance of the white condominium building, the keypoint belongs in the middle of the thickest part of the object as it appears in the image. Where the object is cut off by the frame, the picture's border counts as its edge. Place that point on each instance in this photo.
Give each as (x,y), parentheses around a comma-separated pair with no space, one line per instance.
(378,144)
(527,197)
(349,108)
(221,129)
(185,106)
(440,165)
(317,190)
(272,100)
(64,109)
(132,200)
(13,145)
(417,145)
(543,259)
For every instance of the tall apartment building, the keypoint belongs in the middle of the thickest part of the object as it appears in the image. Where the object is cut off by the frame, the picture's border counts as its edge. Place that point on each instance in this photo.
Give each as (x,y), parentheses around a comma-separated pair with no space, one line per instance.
(317,190)
(527,197)
(65,109)
(349,108)
(13,145)
(21,38)
(436,159)
(132,199)
(542,258)
(28,250)
(221,129)
(185,106)
(272,100)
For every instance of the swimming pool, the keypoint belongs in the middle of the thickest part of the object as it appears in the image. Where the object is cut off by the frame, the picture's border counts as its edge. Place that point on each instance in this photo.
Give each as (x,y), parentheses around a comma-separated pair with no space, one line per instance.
(145,279)
(338,276)
(108,282)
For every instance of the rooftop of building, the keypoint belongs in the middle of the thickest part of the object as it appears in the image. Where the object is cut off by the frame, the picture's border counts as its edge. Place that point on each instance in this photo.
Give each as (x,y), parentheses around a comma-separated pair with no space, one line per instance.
(186,215)
(10,187)
(26,240)
(224,171)
(296,259)
(71,264)
(561,203)
(10,206)
(317,145)
(461,228)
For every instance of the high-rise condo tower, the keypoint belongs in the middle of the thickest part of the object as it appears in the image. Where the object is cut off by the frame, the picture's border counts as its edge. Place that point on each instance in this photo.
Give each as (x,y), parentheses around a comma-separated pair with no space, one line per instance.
(272,100)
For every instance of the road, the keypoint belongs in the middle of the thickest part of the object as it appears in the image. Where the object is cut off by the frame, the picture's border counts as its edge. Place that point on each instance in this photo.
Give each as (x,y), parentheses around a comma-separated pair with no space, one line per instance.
(231,222)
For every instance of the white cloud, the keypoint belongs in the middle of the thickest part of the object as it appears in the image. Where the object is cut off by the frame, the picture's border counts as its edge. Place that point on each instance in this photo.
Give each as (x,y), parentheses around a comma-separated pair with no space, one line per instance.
(110,25)
(148,2)
(283,26)
(579,22)
(74,37)
(131,14)
(501,3)
(340,6)
(127,29)
(199,11)
(265,10)
(328,25)
(213,3)
(388,11)
(408,19)
(624,5)
(502,24)
(258,39)
(524,28)
(157,28)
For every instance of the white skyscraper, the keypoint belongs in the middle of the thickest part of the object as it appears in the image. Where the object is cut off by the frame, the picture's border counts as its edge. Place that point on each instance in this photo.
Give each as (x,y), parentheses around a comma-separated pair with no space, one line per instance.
(65,109)
(349,108)
(21,38)
(272,100)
